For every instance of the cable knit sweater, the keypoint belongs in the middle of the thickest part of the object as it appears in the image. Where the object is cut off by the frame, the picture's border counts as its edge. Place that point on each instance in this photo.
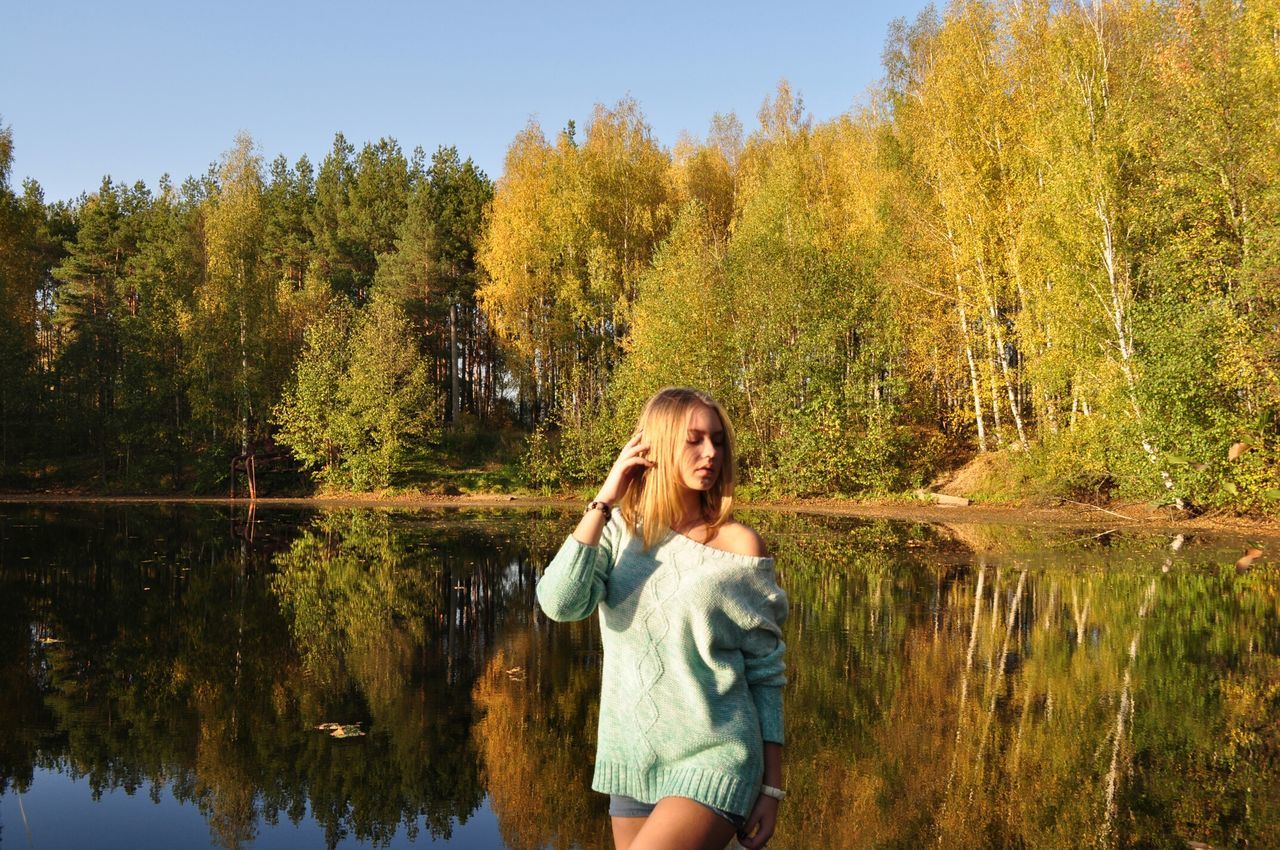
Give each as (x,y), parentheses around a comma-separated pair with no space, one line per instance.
(693,663)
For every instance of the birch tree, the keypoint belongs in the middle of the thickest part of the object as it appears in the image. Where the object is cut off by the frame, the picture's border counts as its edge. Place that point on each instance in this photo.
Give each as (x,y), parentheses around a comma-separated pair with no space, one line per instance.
(234,362)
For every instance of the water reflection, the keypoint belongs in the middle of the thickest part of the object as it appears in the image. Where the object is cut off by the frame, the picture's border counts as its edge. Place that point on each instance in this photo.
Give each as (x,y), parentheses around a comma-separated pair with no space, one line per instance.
(953,687)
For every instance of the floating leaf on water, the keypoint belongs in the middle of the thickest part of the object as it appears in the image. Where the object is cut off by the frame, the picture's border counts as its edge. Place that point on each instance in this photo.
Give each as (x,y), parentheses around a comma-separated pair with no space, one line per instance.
(347,732)
(1246,560)
(1236,450)
(326,727)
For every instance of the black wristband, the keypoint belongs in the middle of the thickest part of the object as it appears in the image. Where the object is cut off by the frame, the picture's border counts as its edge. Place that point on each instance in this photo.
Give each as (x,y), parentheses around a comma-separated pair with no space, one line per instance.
(597,505)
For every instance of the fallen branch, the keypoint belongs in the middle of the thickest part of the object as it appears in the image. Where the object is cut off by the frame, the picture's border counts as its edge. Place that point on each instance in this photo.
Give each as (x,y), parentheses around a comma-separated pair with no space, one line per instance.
(942,499)
(1096,508)
(1080,539)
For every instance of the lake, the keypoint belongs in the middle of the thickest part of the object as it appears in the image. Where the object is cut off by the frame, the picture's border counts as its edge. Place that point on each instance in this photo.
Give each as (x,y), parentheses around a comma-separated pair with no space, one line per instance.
(164,670)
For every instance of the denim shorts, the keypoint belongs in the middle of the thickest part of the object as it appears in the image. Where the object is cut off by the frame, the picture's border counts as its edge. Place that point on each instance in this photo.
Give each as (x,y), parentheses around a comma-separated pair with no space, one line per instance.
(629,807)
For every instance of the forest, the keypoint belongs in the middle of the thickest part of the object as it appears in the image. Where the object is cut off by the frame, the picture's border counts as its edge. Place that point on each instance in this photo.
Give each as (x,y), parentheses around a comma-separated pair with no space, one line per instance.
(1046,244)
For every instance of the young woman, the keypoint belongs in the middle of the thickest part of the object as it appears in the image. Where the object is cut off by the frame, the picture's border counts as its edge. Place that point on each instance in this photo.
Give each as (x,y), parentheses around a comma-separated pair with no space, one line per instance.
(690,736)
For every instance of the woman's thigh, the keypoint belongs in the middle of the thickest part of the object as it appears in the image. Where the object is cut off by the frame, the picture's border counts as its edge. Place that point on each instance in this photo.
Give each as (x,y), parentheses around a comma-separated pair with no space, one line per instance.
(625,831)
(678,823)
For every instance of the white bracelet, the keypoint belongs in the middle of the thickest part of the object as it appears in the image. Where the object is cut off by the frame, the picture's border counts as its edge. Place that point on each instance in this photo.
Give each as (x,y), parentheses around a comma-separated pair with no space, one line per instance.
(776,793)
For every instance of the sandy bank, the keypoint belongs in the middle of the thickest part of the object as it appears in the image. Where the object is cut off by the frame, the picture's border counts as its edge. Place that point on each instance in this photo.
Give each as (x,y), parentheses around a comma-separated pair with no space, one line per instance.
(1139,516)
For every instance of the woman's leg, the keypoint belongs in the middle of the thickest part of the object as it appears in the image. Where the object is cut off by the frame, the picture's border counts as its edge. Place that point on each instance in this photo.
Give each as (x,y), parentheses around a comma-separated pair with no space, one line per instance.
(625,831)
(678,823)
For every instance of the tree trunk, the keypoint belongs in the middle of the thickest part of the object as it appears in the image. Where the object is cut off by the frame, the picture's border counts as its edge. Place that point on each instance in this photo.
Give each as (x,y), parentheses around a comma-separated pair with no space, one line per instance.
(998,673)
(454,396)
(1124,720)
(968,666)
(1004,369)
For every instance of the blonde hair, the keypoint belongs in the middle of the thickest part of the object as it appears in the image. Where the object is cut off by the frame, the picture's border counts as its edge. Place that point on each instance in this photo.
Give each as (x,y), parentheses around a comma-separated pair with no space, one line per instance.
(652,503)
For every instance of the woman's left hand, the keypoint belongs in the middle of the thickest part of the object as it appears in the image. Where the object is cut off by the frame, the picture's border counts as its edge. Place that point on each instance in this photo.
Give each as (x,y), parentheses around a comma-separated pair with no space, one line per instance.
(760,823)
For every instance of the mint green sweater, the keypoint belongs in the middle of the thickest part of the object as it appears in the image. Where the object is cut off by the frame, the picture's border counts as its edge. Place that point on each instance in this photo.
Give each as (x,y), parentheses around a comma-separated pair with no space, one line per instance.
(693,663)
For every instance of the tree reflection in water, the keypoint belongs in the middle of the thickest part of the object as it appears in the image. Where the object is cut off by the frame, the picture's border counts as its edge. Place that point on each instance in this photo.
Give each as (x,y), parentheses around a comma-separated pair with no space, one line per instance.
(148,647)
(949,687)
(1025,693)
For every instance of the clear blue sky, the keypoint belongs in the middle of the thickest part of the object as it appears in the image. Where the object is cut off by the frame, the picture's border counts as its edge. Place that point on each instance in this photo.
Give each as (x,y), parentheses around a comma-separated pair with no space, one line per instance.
(137,89)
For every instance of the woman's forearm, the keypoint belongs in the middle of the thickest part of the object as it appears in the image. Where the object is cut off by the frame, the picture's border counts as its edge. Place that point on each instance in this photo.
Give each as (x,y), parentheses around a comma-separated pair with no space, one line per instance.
(590,527)
(773,764)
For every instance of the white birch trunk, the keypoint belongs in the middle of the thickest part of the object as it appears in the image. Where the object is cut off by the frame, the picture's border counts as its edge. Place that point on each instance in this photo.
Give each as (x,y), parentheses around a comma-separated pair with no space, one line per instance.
(1124,721)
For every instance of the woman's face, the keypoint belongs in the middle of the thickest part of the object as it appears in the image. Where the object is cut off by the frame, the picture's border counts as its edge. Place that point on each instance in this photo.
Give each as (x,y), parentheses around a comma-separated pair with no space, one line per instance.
(702,454)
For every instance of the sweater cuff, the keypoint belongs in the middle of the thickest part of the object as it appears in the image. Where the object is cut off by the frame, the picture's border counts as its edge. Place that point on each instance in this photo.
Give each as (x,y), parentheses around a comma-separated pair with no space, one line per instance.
(768,700)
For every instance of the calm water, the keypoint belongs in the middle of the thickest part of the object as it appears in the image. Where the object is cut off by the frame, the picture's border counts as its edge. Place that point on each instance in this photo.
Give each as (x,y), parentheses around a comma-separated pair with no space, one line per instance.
(162,672)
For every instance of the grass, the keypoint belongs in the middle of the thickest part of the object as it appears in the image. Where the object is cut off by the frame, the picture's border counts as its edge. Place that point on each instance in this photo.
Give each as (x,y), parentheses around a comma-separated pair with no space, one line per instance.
(467,458)
(432,472)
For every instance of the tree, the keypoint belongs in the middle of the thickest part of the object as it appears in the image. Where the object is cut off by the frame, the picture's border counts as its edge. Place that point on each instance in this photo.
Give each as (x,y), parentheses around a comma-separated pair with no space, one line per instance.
(433,273)
(387,394)
(159,285)
(360,394)
(360,204)
(310,418)
(572,230)
(288,198)
(677,331)
(22,252)
(236,358)
(89,311)
(516,252)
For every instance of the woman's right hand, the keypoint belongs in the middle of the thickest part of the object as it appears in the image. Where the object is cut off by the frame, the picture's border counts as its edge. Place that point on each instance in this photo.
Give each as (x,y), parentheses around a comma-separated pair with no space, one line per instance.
(630,465)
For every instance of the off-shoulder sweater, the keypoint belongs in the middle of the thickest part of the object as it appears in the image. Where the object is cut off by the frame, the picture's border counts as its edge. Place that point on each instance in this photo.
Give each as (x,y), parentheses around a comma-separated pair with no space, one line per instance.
(693,663)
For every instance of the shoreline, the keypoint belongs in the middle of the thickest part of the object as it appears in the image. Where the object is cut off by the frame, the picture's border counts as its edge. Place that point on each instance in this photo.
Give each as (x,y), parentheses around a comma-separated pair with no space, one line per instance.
(1139,516)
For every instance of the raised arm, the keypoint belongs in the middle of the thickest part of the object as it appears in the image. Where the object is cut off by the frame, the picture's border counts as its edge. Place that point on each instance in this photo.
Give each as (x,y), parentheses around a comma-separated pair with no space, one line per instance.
(631,463)
(574,581)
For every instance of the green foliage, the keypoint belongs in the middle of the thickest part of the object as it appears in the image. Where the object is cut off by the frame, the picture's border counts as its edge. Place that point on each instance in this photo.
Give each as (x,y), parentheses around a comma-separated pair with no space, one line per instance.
(146,337)
(360,397)
(151,397)
(1196,383)
(25,246)
(289,197)
(360,201)
(1078,463)
(237,357)
(387,396)
(824,453)
(309,417)
(538,466)
(432,273)
(89,311)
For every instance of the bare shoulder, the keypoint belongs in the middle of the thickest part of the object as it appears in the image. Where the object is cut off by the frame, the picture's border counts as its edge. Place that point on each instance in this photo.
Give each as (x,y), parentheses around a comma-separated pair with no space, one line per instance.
(740,539)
